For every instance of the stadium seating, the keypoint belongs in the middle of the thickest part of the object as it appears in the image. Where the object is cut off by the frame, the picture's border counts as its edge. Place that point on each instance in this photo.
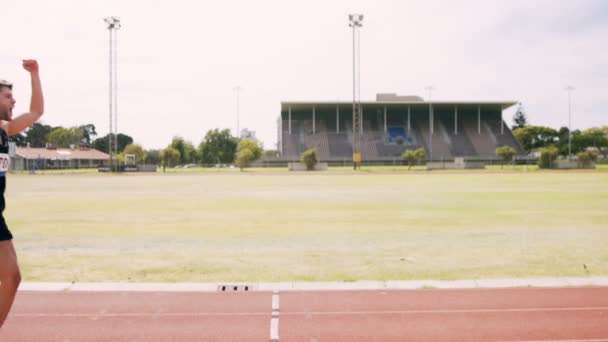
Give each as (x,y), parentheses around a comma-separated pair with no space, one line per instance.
(379,145)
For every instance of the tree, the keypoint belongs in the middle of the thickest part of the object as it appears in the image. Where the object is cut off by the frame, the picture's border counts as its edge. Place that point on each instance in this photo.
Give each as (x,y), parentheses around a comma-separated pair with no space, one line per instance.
(563,135)
(123,140)
(547,157)
(582,140)
(252,145)
(37,134)
(65,137)
(169,157)
(59,137)
(413,157)
(152,157)
(564,138)
(254,152)
(185,148)
(592,137)
(101,144)
(88,134)
(533,137)
(309,158)
(218,147)
(585,158)
(506,154)
(603,148)
(19,140)
(137,150)
(409,157)
(420,155)
(244,158)
(191,154)
(597,135)
(519,119)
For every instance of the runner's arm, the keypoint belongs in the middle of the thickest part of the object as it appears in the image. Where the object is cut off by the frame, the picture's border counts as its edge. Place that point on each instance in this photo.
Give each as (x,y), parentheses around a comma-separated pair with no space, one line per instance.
(23,121)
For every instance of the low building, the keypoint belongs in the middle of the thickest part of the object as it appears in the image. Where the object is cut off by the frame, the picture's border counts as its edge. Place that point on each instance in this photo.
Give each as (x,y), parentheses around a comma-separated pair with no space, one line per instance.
(32,158)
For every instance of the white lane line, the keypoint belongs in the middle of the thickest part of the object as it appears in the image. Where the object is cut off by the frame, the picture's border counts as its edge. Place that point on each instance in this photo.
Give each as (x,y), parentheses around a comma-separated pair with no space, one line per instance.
(275,312)
(577,340)
(275,301)
(392,312)
(142,314)
(274,330)
(274,320)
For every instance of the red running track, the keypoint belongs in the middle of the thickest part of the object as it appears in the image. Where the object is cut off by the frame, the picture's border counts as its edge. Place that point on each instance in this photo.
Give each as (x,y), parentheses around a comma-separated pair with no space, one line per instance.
(517,314)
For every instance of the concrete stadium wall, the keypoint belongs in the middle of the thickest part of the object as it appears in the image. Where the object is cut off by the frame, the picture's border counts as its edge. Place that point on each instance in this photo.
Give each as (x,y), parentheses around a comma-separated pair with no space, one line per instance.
(302,167)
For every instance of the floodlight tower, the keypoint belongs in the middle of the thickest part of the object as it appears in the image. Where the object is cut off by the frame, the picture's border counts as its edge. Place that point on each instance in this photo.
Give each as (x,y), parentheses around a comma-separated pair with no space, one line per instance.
(113,25)
(569,89)
(431,121)
(356,22)
(237,91)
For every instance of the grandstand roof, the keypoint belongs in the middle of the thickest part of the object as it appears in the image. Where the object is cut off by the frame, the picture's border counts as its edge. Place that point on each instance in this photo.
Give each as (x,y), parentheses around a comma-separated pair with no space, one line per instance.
(295,105)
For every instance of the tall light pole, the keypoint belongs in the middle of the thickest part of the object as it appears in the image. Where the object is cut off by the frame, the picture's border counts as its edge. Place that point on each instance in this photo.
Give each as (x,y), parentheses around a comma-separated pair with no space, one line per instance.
(431,121)
(355,22)
(359,69)
(569,89)
(113,25)
(237,90)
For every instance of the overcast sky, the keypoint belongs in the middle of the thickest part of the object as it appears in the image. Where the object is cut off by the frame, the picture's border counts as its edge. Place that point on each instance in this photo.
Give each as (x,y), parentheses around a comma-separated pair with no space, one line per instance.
(180,60)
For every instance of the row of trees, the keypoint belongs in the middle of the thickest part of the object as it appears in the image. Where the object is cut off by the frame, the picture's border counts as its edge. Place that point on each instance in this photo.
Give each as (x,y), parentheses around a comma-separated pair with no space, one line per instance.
(548,155)
(40,135)
(218,147)
(532,137)
(537,137)
(552,143)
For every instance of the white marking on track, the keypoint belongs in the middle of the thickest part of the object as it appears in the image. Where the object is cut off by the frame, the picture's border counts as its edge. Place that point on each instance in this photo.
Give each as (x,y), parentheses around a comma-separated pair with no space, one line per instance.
(447,311)
(142,314)
(576,340)
(274,320)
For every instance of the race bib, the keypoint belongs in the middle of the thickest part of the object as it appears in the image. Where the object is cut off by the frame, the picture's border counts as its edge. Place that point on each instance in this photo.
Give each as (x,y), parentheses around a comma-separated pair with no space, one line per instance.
(5,162)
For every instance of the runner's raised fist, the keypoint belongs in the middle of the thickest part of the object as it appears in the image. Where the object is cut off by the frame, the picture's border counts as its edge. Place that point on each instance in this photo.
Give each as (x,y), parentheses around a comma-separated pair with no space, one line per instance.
(30,65)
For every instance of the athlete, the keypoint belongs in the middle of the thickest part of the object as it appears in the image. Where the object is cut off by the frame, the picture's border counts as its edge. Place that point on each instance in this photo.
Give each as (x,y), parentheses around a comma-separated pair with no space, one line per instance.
(10,277)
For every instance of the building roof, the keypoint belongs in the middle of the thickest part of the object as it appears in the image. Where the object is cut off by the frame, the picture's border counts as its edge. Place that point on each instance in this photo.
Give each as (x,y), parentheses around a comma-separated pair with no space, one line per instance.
(60,153)
(299,105)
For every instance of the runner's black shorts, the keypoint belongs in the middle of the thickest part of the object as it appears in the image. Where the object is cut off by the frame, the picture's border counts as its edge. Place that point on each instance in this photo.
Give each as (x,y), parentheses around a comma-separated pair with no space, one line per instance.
(5,233)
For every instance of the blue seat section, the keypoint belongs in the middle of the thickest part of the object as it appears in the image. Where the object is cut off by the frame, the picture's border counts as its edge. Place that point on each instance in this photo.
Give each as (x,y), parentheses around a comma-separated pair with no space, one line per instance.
(397,132)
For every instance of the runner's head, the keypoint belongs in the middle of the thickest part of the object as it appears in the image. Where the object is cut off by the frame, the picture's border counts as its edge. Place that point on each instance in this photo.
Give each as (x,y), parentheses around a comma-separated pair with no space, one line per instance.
(7,102)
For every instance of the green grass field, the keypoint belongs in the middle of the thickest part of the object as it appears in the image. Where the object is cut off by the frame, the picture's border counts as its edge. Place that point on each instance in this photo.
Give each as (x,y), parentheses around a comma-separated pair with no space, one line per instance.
(272,225)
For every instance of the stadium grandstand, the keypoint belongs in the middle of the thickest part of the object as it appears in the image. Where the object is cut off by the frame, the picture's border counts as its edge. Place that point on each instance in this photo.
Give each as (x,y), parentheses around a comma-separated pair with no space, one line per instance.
(393,124)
